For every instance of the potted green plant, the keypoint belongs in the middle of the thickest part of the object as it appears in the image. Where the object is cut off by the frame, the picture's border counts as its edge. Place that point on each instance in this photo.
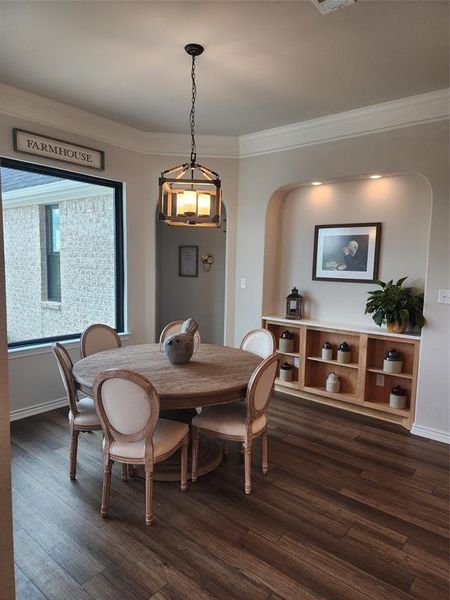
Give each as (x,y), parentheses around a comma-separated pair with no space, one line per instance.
(396,306)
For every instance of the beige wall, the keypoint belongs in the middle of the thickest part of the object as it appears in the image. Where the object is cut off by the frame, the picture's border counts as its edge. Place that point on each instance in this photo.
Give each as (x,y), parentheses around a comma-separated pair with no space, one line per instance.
(202,297)
(401,203)
(140,174)
(421,150)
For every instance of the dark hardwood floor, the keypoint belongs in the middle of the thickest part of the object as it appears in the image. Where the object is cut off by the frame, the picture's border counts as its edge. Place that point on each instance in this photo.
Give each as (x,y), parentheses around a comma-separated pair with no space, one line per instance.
(351,509)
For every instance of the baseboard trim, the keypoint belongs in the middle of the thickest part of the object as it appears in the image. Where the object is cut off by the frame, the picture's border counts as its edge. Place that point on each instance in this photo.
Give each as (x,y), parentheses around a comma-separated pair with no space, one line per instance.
(36,409)
(431,434)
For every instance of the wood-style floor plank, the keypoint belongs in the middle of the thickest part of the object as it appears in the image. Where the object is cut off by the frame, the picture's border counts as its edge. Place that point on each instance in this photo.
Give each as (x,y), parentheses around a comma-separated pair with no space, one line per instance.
(352,509)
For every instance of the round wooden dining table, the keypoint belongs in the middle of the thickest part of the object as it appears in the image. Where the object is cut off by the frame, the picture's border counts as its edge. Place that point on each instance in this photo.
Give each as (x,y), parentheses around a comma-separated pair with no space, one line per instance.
(214,375)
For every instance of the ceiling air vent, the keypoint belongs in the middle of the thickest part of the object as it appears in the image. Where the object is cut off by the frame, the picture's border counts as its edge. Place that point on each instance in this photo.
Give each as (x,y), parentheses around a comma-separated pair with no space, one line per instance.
(326,6)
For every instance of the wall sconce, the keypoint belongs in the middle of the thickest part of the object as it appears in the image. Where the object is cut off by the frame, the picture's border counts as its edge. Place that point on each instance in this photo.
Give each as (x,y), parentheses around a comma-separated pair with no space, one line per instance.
(207,261)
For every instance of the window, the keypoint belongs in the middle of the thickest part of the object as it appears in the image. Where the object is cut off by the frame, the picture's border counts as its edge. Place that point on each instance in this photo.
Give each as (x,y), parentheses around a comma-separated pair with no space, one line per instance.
(53,248)
(63,241)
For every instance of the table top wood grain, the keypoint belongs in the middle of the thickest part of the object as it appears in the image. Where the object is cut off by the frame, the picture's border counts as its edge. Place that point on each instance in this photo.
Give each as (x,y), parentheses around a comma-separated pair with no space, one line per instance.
(214,375)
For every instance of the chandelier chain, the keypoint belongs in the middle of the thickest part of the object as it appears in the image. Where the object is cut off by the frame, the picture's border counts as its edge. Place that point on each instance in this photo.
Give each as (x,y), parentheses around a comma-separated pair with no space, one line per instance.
(192,114)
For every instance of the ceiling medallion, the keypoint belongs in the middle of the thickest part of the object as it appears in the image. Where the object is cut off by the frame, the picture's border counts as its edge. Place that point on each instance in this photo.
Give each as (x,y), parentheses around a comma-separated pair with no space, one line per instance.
(190,194)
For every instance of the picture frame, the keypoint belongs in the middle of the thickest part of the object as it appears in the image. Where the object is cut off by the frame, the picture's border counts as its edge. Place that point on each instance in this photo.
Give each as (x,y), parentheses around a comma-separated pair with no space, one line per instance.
(348,253)
(188,261)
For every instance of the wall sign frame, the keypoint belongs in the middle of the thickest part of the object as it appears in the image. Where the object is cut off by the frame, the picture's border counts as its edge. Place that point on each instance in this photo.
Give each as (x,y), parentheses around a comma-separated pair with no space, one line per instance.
(28,142)
(188,261)
(348,252)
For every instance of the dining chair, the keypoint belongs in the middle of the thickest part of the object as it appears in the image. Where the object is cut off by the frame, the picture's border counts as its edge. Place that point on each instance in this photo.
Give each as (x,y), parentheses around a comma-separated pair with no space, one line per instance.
(82,415)
(240,422)
(98,337)
(260,342)
(128,406)
(175,327)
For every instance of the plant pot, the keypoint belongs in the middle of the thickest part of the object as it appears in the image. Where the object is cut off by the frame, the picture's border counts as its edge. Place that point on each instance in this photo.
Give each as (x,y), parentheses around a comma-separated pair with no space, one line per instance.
(395,327)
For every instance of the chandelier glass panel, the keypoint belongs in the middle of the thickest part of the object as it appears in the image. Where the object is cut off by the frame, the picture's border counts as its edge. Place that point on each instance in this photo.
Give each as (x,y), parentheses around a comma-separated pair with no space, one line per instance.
(190,194)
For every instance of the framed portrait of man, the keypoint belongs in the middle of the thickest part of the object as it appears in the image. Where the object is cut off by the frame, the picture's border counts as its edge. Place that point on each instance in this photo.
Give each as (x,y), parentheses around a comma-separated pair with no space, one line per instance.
(346,252)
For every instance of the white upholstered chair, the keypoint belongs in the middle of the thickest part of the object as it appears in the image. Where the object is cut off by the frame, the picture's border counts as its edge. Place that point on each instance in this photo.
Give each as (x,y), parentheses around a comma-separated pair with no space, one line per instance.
(175,327)
(98,337)
(260,342)
(82,416)
(128,406)
(240,422)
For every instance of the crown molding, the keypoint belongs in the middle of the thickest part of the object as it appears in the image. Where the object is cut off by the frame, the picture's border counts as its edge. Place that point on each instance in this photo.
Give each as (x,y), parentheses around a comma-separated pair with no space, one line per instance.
(413,110)
(50,113)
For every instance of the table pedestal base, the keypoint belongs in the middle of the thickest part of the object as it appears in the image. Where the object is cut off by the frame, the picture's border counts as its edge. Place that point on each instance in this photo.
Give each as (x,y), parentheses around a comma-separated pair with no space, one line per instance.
(210,453)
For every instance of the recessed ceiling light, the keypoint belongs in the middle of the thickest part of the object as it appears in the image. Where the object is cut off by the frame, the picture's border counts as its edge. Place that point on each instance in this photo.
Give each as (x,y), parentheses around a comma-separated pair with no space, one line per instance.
(316,183)
(375,176)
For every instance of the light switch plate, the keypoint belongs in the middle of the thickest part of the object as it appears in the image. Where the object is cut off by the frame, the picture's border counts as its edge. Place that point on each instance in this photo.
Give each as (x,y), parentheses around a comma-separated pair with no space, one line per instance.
(444,297)
(380,380)
(243,282)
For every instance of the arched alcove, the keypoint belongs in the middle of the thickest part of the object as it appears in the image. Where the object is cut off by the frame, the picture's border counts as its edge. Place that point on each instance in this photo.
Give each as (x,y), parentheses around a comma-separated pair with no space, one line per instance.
(401,202)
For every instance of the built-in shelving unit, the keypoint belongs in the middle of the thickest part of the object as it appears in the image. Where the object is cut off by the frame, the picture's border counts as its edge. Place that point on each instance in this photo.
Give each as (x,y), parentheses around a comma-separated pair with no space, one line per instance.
(365,387)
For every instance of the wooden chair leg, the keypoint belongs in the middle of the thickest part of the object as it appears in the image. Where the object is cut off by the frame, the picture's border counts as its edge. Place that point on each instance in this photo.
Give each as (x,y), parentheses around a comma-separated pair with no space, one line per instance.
(265,453)
(195,442)
(131,471)
(73,453)
(148,495)
(124,472)
(106,486)
(184,462)
(241,449)
(248,467)
(226,450)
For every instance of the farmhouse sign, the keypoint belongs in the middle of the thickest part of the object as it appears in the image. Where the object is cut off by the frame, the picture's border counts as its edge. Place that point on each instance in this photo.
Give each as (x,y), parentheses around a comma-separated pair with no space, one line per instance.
(39,145)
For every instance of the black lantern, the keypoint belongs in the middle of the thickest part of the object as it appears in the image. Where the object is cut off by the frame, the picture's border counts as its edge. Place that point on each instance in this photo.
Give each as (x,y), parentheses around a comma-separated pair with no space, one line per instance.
(190,194)
(294,305)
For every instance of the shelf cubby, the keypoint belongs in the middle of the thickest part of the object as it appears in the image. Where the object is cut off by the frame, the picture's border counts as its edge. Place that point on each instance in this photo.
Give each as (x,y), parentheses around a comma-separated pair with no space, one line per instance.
(377,348)
(317,373)
(377,396)
(315,338)
(277,330)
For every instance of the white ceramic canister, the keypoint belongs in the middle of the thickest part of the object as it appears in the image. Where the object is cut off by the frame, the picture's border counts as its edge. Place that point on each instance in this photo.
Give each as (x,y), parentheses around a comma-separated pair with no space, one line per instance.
(343,354)
(392,362)
(397,397)
(333,383)
(327,351)
(287,341)
(286,371)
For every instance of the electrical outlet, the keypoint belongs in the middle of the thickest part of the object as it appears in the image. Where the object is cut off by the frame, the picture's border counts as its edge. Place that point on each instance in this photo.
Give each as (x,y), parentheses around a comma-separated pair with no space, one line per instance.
(444,297)
(380,380)
(243,282)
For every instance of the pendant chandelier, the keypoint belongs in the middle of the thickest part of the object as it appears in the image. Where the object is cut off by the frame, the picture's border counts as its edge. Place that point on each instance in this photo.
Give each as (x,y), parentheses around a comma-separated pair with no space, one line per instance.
(190,193)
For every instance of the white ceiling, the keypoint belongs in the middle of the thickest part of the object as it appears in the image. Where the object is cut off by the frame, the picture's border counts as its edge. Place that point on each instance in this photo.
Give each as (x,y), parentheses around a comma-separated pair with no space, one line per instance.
(266,63)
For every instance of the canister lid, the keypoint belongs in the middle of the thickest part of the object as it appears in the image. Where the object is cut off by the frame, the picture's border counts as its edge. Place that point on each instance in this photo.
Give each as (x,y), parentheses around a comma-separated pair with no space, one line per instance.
(327,346)
(286,366)
(397,390)
(392,354)
(344,347)
(287,335)
(333,376)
